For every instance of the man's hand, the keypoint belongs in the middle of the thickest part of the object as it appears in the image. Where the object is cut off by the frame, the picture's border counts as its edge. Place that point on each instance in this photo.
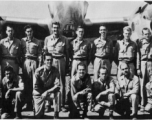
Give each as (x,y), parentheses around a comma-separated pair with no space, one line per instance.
(102,103)
(139,72)
(44,95)
(7,95)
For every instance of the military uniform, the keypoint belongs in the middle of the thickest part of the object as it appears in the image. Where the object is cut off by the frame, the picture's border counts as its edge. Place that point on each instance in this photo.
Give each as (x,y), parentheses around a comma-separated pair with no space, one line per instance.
(43,81)
(144,63)
(125,52)
(7,106)
(99,87)
(148,107)
(127,85)
(78,85)
(103,51)
(31,53)
(81,53)
(10,54)
(60,51)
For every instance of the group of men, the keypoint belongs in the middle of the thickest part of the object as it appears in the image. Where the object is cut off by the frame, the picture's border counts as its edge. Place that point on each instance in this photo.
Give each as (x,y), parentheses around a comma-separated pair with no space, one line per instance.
(45,67)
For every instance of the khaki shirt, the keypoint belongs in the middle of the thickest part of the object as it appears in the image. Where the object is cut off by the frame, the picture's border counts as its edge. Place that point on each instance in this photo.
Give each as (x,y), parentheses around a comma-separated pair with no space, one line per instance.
(81,49)
(58,47)
(78,84)
(10,50)
(128,85)
(149,91)
(125,51)
(17,82)
(44,79)
(103,49)
(31,48)
(144,51)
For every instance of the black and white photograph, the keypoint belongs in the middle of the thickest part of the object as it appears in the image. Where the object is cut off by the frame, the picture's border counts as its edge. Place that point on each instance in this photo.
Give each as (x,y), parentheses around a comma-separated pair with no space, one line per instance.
(75,59)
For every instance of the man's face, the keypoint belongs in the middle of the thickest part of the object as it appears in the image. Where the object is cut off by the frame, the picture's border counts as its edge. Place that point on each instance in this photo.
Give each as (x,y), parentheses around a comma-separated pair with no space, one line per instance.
(81,71)
(126,34)
(80,32)
(55,29)
(103,32)
(9,74)
(29,32)
(146,34)
(48,61)
(103,74)
(9,31)
(124,69)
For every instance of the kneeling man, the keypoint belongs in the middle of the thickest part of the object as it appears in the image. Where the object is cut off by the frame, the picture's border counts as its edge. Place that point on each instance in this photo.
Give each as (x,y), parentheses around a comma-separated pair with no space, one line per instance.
(80,91)
(46,87)
(12,94)
(127,92)
(103,93)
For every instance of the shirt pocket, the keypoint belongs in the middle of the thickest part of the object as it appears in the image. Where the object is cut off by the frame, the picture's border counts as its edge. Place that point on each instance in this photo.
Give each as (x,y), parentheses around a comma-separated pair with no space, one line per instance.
(60,47)
(14,50)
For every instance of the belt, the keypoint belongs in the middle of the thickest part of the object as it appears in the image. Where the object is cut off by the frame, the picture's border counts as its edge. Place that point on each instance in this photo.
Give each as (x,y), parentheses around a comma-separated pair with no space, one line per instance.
(147,60)
(31,58)
(102,57)
(58,57)
(81,59)
(128,62)
(10,58)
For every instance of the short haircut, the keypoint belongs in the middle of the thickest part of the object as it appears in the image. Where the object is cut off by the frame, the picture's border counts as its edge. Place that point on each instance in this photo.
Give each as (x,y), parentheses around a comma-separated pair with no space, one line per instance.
(127,28)
(145,29)
(102,25)
(9,25)
(8,68)
(56,23)
(80,27)
(81,64)
(27,27)
(104,68)
(47,54)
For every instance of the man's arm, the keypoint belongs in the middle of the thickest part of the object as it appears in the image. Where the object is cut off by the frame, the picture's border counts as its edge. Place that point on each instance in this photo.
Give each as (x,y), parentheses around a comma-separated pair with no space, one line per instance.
(106,92)
(20,85)
(116,52)
(45,45)
(67,54)
(135,89)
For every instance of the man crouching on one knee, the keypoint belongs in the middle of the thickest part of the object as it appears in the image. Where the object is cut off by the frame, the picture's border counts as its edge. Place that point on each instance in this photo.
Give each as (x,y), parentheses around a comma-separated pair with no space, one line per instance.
(12,94)
(103,93)
(46,87)
(128,89)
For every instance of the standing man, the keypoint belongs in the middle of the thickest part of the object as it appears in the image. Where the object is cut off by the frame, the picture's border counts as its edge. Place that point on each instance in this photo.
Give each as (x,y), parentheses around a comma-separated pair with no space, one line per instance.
(103,93)
(31,56)
(125,51)
(127,88)
(144,62)
(46,87)
(102,51)
(80,91)
(10,51)
(59,47)
(12,94)
(81,50)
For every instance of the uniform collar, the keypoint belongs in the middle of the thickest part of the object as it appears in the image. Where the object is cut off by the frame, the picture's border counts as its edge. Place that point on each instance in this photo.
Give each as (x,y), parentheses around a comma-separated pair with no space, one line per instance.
(30,40)
(7,39)
(126,43)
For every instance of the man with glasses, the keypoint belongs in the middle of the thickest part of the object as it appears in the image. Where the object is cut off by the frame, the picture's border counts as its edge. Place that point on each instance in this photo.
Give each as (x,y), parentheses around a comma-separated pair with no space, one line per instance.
(31,56)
